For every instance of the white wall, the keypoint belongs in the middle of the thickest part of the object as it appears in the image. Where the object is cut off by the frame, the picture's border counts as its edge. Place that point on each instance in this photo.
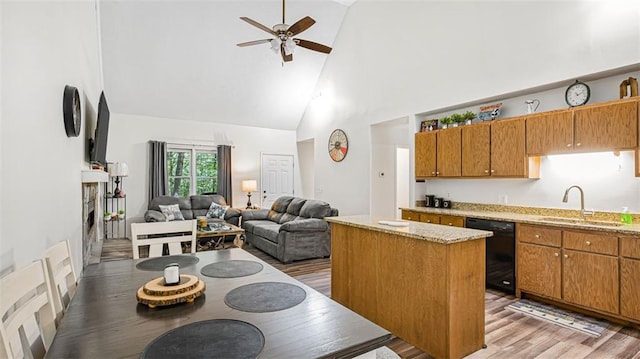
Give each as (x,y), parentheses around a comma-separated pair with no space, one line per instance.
(385,138)
(128,142)
(45,46)
(449,53)
(305,165)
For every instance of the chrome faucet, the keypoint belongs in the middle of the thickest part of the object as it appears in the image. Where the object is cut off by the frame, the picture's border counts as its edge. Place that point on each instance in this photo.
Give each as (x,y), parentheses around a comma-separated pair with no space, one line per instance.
(583,212)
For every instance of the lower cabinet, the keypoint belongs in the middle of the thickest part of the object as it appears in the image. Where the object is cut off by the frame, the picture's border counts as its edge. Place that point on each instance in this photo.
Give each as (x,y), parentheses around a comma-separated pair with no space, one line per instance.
(591,280)
(433,218)
(580,267)
(539,270)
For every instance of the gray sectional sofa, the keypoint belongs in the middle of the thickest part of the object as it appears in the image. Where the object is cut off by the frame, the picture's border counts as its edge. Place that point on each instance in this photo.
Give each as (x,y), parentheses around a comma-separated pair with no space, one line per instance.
(293,229)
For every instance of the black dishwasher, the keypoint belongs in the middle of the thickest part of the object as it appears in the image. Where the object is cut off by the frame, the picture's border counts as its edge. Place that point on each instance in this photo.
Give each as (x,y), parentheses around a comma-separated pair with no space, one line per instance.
(501,252)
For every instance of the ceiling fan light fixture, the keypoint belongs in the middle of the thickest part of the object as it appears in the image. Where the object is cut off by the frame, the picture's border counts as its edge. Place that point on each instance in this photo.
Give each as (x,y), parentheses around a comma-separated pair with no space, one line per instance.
(289,46)
(275,45)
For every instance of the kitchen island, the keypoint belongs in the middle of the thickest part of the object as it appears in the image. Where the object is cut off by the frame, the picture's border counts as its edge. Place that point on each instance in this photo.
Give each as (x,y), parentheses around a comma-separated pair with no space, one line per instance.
(425,283)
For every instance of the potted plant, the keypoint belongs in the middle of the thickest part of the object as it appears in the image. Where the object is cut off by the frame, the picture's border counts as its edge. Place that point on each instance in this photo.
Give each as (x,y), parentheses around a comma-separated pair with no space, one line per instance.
(109,195)
(107,215)
(446,121)
(468,117)
(121,214)
(457,119)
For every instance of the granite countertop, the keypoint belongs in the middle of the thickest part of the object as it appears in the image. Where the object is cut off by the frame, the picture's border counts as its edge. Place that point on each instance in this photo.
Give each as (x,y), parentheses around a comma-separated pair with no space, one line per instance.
(541,217)
(418,230)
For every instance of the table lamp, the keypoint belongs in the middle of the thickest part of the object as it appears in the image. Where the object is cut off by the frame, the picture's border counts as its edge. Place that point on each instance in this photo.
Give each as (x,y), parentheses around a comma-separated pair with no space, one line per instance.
(249,186)
(117,170)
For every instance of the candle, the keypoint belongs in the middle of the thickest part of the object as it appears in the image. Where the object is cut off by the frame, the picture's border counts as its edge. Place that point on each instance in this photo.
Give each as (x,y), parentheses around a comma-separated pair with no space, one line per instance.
(172,274)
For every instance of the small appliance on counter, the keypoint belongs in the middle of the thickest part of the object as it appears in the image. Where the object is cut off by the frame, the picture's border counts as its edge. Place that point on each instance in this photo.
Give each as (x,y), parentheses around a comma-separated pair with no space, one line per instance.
(436,202)
(428,202)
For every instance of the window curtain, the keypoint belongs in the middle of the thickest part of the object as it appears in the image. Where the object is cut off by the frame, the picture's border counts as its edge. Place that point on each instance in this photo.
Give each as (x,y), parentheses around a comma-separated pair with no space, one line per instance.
(158,177)
(224,173)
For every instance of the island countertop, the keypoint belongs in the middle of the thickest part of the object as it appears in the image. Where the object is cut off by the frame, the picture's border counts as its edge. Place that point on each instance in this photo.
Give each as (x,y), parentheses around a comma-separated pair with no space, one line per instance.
(418,230)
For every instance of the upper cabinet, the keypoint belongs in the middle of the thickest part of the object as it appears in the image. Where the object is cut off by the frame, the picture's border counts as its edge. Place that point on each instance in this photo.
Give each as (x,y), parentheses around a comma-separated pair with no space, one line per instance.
(512,147)
(550,132)
(448,146)
(604,126)
(508,150)
(476,150)
(425,158)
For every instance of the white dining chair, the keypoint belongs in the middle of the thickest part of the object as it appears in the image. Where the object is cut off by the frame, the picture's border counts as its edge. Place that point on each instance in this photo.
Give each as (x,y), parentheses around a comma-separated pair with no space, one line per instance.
(156,234)
(26,312)
(62,276)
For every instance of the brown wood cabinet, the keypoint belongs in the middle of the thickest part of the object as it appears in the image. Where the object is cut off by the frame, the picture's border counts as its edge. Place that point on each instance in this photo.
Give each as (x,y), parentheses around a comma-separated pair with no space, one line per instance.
(630,277)
(476,150)
(591,280)
(589,269)
(425,157)
(539,270)
(606,126)
(538,262)
(549,132)
(448,163)
(508,154)
(433,218)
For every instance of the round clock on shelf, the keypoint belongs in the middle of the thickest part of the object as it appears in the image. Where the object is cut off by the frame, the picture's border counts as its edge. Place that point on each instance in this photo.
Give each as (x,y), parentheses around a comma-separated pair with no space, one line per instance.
(338,145)
(71,111)
(577,94)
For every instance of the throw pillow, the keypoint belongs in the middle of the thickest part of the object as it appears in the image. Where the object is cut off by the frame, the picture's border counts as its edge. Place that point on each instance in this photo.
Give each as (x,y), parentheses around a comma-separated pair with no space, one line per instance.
(172,212)
(216,211)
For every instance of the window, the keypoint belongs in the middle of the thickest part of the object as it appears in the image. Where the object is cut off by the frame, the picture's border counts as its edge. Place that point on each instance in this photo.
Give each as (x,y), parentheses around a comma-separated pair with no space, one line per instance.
(192,169)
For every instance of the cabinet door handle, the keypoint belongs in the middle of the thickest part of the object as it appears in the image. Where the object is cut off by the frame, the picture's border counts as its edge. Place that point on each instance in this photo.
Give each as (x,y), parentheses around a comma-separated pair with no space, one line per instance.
(537,236)
(486,171)
(578,144)
(588,243)
(433,173)
(428,221)
(437,173)
(556,254)
(493,171)
(451,224)
(566,256)
(568,145)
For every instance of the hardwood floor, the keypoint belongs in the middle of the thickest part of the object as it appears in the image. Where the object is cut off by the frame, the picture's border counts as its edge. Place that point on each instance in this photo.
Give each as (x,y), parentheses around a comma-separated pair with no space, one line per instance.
(508,334)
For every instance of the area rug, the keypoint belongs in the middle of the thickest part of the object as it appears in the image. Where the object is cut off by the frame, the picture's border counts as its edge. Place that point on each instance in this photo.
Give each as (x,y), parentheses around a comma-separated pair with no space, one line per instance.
(216,338)
(159,263)
(563,318)
(231,269)
(265,297)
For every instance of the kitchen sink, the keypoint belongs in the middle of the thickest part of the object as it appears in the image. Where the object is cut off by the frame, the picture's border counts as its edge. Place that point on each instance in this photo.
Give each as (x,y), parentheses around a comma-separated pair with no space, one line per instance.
(581,221)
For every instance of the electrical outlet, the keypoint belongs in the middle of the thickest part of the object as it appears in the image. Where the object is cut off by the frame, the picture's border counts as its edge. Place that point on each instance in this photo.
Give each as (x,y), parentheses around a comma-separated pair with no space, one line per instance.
(503,199)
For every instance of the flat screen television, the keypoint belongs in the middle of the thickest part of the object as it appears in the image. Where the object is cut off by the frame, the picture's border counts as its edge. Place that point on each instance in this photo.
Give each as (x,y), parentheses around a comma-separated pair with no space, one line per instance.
(99,147)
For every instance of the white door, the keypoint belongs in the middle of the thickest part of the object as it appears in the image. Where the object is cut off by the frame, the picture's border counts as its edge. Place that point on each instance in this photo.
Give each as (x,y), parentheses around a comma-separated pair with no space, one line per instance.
(277,178)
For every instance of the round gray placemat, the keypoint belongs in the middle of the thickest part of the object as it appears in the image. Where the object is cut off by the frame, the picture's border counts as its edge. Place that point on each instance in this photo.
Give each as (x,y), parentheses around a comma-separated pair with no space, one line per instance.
(216,338)
(265,297)
(231,269)
(158,263)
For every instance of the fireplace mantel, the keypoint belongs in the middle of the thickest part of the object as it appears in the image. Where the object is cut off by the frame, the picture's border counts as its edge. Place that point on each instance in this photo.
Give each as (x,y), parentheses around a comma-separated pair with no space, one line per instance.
(93,176)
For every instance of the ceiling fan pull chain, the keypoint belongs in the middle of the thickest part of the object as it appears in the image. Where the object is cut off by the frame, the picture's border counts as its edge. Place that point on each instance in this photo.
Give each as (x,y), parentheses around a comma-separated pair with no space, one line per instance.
(283,12)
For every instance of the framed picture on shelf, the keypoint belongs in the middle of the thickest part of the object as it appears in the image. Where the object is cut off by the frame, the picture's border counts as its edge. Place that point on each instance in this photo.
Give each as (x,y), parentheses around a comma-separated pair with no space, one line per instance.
(428,125)
(490,112)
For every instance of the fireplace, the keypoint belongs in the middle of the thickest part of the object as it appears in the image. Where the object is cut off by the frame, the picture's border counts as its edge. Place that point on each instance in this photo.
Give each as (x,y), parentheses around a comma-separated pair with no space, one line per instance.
(92,228)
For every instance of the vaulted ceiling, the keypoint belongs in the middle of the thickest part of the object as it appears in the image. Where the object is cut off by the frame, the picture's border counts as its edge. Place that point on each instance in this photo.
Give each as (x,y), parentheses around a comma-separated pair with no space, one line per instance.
(179,59)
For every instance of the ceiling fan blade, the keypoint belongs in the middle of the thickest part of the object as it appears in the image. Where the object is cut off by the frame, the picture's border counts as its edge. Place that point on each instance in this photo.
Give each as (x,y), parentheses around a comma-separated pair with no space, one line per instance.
(258,25)
(300,26)
(251,43)
(285,57)
(313,46)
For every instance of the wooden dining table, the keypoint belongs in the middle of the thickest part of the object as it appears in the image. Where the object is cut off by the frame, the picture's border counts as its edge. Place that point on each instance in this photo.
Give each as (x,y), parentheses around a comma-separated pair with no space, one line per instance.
(105,320)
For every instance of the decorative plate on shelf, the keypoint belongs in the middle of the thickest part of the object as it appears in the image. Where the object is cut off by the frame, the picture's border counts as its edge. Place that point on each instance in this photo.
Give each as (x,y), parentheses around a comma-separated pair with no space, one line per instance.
(338,145)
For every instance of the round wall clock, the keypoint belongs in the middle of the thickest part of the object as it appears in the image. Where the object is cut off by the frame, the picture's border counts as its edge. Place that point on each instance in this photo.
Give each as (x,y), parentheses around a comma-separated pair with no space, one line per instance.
(338,145)
(71,111)
(577,94)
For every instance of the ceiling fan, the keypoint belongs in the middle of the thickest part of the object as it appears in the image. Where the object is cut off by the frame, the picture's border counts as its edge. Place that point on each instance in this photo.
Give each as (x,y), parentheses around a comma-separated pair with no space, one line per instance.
(284,41)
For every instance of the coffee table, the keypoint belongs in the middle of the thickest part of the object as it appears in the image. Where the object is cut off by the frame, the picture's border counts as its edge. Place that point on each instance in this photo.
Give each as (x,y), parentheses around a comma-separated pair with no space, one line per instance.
(217,236)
